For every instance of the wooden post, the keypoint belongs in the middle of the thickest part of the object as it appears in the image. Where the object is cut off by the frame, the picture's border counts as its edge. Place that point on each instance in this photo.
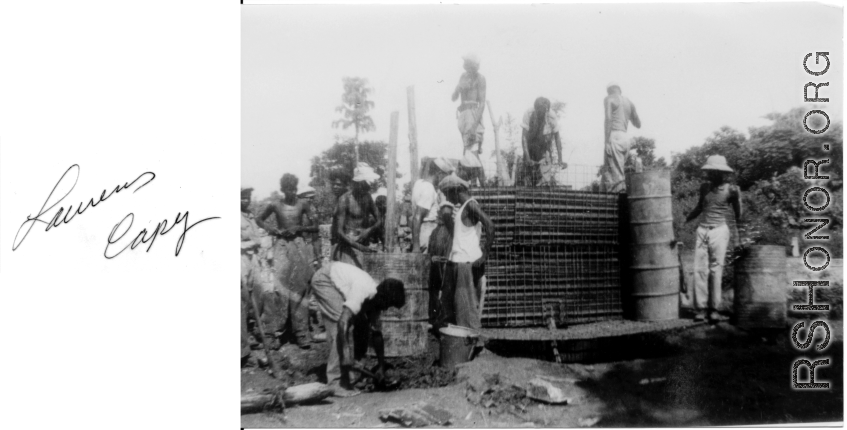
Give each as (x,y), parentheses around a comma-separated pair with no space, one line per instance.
(390,218)
(501,171)
(413,134)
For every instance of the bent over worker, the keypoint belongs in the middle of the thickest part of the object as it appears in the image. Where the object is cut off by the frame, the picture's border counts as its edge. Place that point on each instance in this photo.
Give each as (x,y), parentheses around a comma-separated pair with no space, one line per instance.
(716,196)
(350,298)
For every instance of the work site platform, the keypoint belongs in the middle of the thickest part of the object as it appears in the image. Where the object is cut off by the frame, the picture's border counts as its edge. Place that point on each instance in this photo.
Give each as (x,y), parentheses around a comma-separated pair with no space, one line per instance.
(602,329)
(585,343)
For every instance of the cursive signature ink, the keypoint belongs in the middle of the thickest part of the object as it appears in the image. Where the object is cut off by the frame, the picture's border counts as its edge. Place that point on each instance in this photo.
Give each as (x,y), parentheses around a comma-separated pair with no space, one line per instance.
(161,229)
(58,219)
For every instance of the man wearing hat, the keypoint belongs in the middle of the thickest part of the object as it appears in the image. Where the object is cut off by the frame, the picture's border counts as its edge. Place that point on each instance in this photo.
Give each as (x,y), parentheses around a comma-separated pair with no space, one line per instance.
(716,197)
(293,257)
(250,244)
(471,89)
(426,201)
(463,289)
(353,212)
(619,113)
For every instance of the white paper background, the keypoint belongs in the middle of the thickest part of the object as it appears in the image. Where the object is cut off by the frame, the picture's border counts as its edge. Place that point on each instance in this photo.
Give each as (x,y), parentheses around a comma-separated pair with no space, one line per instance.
(146,340)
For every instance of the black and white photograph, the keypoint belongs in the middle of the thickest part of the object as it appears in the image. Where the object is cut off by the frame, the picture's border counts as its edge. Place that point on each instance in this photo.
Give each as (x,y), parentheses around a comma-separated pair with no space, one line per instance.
(452,215)
(541,215)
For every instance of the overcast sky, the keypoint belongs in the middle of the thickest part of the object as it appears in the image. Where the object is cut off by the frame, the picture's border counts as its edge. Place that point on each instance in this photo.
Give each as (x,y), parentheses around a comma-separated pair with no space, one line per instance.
(689,69)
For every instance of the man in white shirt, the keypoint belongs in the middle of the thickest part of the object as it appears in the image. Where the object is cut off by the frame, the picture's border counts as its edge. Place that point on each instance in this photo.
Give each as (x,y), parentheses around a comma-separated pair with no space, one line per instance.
(426,201)
(463,289)
(350,298)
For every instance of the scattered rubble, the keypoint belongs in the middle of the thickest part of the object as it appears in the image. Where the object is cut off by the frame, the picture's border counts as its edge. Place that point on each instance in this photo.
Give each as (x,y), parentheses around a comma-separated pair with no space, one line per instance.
(499,398)
(419,414)
(588,422)
(545,391)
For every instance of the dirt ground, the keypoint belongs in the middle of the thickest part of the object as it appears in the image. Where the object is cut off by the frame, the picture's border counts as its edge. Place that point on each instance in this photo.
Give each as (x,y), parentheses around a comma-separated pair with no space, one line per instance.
(700,376)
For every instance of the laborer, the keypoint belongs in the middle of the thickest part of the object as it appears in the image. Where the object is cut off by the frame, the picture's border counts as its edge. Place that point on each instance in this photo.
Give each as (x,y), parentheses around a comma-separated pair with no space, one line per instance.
(354,207)
(619,113)
(313,240)
(471,88)
(249,270)
(462,292)
(339,181)
(540,128)
(426,201)
(439,246)
(348,298)
(292,258)
(716,197)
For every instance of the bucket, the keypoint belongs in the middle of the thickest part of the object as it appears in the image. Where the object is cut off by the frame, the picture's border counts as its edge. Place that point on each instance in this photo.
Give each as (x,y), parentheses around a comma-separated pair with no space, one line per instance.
(760,288)
(655,263)
(457,345)
(404,330)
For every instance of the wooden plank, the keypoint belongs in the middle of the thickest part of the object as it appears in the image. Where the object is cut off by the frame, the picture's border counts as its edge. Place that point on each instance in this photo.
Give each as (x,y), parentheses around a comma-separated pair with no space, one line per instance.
(390,219)
(413,134)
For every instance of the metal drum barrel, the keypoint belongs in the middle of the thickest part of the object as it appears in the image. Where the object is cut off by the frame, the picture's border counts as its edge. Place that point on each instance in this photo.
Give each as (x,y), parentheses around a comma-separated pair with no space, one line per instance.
(761,288)
(404,330)
(655,262)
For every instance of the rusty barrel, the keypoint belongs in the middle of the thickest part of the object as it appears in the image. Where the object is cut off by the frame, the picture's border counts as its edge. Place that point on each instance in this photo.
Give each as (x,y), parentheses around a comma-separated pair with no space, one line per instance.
(761,288)
(655,262)
(404,330)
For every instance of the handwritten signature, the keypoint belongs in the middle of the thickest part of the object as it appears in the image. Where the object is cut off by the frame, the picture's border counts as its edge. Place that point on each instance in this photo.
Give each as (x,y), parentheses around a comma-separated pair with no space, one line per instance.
(65,215)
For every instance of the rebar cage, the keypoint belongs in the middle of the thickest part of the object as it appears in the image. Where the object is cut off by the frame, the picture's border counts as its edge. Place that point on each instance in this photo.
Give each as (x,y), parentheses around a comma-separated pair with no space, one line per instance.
(558,241)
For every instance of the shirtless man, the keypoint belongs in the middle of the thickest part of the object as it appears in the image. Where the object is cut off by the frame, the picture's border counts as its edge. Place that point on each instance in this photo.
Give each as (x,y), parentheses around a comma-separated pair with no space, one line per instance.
(619,113)
(472,89)
(352,212)
(339,181)
(292,259)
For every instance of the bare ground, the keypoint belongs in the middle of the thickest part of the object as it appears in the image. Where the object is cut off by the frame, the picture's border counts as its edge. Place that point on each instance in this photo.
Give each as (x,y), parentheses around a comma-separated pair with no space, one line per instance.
(705,375)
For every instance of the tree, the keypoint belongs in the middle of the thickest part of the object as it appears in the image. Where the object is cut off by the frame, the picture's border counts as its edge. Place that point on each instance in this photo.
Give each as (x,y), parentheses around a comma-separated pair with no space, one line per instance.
(355,106)
(645,148)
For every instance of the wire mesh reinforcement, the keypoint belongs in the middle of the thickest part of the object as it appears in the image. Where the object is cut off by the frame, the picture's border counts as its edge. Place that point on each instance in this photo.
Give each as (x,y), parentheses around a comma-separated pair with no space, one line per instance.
(552,243)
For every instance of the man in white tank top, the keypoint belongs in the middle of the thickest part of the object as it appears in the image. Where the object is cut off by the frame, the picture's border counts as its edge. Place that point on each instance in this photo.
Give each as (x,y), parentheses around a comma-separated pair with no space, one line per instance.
(716,197)
(462,290)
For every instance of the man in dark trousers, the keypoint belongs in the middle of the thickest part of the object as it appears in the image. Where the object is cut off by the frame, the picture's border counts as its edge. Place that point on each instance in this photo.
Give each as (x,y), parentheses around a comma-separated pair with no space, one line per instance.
(292,258)
(463,290)
(350,298)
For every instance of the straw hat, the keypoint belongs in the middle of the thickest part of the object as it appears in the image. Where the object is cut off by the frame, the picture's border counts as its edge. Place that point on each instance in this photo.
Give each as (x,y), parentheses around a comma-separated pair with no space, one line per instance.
(452,181)
(443,164)
(717,162)
(612,84)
